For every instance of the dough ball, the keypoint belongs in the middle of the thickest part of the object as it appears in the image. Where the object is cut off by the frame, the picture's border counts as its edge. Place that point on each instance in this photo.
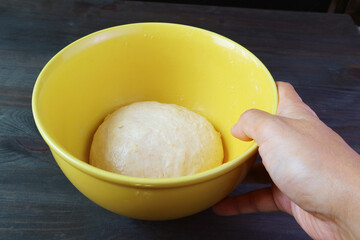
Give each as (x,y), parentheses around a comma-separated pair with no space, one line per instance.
(156,140)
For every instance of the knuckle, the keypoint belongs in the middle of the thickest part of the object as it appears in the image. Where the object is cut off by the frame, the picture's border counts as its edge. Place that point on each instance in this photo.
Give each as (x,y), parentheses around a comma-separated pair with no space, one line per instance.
(285,85)
(249,114)
(270,126)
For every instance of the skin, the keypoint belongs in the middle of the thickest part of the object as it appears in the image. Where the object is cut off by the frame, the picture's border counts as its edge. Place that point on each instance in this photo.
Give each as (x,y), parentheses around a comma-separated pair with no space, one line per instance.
(315,174)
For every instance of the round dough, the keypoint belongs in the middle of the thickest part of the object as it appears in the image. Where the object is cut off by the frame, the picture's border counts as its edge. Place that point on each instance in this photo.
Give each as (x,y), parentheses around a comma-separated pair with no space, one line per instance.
(156,140)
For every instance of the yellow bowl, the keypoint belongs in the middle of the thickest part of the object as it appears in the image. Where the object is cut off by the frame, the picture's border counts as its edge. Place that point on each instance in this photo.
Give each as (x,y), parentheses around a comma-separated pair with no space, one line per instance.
(170,63)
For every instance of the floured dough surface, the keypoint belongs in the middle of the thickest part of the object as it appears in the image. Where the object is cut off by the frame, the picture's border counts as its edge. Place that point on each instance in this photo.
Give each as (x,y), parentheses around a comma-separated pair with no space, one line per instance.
(156,140)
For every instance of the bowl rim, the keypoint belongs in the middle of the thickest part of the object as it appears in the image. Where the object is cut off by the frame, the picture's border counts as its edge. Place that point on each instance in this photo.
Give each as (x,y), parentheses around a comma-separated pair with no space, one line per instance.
(138,181)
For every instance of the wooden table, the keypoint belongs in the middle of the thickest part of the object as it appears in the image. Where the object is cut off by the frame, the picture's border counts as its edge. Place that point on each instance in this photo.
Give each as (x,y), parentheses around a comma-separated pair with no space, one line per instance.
(318,53)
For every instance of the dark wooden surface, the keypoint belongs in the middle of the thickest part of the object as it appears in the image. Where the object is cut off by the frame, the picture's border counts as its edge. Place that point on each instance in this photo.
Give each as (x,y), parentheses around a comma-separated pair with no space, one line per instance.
(318,53)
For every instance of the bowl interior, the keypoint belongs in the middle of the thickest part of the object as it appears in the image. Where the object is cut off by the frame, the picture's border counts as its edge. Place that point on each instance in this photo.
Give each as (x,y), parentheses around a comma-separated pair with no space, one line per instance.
(169,63)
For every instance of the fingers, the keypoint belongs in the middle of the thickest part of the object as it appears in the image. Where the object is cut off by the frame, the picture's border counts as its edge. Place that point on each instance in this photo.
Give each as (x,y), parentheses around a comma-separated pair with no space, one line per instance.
(251,123)
(269,199)
(255,125)
(256,201)
(259,125)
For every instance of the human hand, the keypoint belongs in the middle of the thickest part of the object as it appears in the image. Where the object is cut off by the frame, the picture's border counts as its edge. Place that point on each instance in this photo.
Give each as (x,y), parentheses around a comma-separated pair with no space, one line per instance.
(315,173)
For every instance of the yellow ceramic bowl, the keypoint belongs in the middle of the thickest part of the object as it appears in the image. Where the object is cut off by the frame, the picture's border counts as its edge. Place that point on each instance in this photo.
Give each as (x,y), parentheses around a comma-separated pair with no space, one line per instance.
(169,63)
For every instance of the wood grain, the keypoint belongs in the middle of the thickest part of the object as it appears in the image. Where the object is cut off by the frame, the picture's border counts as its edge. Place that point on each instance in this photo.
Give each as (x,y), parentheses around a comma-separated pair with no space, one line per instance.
(318,53)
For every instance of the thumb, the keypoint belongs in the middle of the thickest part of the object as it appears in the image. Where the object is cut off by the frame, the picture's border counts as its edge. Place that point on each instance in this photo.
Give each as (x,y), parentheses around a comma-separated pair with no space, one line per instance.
(256,125)
(290,103)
